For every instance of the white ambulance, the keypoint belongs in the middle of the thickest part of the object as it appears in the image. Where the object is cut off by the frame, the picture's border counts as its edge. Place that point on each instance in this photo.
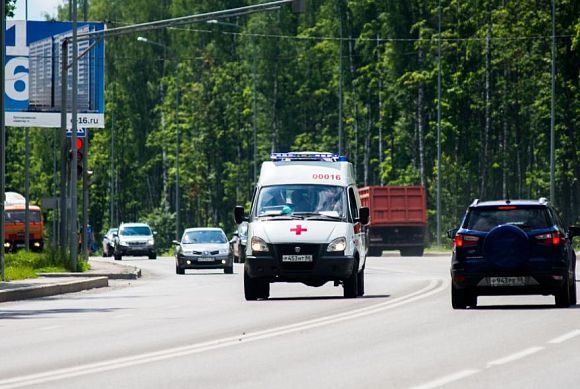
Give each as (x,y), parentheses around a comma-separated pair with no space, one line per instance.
(305,225)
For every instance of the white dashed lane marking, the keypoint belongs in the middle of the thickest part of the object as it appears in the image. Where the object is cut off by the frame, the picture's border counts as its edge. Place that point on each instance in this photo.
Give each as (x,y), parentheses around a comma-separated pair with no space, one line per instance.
(565,337)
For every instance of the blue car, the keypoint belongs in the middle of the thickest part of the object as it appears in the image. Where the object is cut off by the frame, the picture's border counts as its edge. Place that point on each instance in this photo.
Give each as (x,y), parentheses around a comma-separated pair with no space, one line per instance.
(512,247)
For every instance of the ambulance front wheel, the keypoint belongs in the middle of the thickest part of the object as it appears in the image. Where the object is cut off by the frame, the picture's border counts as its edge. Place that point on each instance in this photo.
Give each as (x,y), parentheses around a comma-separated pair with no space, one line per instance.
(255,289)
(350,285)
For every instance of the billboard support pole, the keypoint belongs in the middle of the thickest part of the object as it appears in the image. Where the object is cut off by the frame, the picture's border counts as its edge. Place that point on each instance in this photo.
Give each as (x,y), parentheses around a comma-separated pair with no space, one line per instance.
(74,161)
(2,135)
(63,154)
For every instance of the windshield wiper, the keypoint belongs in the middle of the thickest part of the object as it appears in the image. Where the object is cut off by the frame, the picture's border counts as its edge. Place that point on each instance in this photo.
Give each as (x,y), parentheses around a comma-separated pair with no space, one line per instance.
(281,216)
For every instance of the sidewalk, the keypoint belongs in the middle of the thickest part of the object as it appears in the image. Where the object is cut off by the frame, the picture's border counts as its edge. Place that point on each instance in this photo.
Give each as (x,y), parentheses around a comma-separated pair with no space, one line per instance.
(50,284)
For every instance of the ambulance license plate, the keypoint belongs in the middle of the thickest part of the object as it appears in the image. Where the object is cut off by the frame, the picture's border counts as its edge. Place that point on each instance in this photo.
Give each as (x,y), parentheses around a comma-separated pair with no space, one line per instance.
(296,258)
(507,281)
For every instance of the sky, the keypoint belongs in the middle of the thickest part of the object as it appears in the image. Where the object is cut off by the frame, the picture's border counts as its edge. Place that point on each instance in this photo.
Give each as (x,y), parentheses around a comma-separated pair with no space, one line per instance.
(36,9)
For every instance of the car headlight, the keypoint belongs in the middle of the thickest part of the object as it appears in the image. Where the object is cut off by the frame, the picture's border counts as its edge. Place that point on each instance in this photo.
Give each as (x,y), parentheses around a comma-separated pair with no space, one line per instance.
(259,245)
(224,251)
(339,244)
(122,242)
(150,242)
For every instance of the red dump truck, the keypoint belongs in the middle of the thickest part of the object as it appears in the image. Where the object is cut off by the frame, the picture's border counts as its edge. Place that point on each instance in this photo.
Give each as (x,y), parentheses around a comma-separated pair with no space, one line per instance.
(398,219)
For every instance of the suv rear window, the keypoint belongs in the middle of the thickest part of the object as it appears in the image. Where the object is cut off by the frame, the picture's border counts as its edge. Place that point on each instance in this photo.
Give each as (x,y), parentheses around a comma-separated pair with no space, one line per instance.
(485,219)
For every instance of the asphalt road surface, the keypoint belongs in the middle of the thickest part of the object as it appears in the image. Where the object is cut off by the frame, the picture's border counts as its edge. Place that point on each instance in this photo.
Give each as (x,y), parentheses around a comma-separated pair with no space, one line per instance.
(197,331)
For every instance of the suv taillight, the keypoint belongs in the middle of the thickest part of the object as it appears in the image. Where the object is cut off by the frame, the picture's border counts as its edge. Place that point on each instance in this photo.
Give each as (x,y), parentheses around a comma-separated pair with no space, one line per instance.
(552,238)
(466,240)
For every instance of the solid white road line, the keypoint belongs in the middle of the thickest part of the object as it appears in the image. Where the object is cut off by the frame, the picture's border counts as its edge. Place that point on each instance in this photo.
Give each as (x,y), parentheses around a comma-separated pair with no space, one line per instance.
(515,356)
(447,379)
(565,337)
(435,286)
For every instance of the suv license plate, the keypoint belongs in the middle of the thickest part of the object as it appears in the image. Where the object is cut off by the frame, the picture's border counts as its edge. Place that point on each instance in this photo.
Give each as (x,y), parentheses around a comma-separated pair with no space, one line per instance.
(296,258)
(507,281)
(205,259)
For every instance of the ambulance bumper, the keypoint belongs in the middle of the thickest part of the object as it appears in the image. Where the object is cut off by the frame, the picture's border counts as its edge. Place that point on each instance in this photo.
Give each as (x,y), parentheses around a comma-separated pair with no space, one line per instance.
(325,268)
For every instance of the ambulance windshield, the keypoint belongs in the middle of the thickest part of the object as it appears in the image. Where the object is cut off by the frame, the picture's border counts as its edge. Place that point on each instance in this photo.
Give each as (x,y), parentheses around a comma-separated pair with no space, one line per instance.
(324,201)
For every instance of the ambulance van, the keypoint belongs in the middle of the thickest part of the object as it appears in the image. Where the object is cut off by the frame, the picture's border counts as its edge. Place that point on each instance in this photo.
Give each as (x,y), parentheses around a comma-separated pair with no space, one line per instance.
(305,225)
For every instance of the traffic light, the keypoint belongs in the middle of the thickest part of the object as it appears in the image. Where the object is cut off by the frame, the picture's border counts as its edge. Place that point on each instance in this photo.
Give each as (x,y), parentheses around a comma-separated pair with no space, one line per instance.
(80,143)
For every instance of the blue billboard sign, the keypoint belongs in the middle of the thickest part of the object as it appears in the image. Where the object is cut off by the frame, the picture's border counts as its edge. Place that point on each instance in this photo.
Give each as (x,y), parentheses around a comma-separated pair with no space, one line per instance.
(33,81)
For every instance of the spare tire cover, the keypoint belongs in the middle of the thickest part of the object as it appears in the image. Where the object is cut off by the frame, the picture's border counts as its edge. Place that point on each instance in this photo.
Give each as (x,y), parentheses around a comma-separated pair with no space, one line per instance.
(506,247)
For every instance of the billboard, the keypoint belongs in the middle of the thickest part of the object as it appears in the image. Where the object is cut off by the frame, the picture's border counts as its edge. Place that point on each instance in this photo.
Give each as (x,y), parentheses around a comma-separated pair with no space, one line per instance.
(33,84)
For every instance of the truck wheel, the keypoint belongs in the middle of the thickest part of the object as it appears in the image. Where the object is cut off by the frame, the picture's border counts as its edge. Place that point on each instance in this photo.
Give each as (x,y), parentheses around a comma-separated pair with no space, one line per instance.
(361,283)
(350,285)
(412,251)
(255,289)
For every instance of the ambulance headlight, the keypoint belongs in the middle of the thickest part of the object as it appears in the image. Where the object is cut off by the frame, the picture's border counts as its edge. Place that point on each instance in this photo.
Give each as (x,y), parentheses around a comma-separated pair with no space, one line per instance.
(339,244)
(258,245)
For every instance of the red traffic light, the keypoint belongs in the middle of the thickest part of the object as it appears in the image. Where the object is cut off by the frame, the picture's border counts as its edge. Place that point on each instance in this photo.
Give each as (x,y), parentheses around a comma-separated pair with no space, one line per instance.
(80,143)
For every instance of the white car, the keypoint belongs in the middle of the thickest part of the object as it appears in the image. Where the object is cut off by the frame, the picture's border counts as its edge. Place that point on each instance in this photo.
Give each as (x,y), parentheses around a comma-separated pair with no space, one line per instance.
(134,239)
(203,248)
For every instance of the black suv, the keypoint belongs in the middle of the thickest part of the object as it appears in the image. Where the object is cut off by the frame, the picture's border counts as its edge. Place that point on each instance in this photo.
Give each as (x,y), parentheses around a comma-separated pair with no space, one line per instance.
(512,247)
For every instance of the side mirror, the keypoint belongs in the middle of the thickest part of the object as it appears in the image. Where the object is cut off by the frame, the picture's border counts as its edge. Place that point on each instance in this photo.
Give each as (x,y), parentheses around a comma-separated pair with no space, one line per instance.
(176,242)
(239,216)
(363,215)
(573,231)
(115,234)
(452,232)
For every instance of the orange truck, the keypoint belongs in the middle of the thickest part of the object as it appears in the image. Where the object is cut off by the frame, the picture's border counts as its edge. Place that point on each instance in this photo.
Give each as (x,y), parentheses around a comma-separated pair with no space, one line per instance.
(14,224)
(398,219)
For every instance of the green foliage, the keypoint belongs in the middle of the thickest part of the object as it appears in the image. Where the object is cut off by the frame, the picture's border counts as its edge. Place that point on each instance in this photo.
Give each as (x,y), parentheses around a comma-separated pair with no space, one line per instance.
(9,7)
(23,264)
(279,73)
(163,223)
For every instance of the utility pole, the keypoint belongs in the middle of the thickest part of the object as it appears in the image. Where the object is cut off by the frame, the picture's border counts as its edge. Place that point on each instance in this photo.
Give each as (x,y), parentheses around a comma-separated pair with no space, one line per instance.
(177,134)
(340,103)
(439,129)
(73,171)
(552,108)
(26,167)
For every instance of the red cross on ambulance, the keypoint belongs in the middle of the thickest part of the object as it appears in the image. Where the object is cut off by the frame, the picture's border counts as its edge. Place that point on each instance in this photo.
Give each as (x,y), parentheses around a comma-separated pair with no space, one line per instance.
(298,229)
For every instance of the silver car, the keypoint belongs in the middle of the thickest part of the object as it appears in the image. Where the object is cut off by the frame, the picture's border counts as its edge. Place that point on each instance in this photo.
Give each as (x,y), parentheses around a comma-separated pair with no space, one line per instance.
(109,242)
(134,239)
(203,248)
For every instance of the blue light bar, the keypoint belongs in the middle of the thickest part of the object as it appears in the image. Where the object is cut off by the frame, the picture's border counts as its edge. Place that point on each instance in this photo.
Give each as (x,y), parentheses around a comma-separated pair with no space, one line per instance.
(307,156)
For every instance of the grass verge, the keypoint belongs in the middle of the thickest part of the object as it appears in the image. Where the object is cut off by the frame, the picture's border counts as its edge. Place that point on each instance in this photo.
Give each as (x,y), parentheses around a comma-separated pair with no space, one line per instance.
(24,264)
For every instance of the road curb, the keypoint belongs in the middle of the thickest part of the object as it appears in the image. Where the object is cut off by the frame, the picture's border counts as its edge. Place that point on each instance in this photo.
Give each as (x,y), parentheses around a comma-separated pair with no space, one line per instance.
(53,289)
(132,274)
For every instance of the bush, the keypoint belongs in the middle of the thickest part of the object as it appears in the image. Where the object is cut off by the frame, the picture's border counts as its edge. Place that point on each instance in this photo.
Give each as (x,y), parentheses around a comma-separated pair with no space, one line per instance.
(25,264)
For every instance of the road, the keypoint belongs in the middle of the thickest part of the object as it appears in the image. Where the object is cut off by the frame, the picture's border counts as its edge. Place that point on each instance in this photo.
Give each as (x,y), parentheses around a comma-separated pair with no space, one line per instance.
(197,331)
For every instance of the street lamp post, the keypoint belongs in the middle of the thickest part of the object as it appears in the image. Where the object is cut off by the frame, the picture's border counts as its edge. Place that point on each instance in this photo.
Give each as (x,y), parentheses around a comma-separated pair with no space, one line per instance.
(254,102)
(177,195)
